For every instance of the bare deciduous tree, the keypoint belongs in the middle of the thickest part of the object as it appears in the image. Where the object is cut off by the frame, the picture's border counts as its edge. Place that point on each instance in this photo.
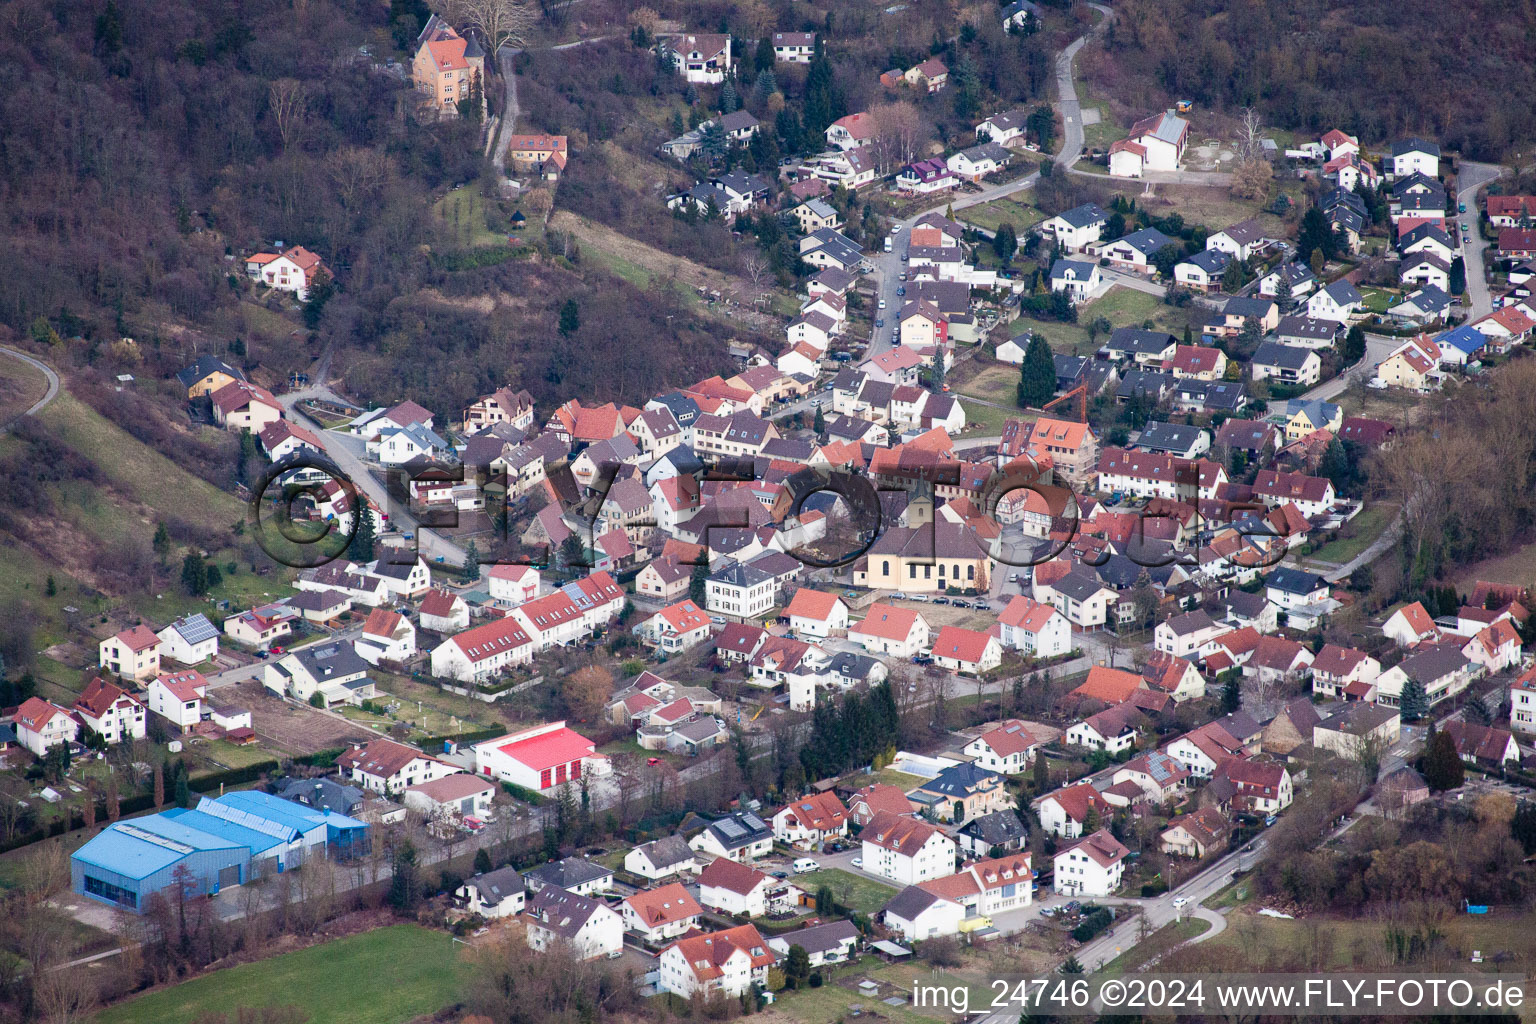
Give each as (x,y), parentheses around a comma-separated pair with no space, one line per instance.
(1252,172)
(288,103)
(900,130)
(358,173)
(502,22)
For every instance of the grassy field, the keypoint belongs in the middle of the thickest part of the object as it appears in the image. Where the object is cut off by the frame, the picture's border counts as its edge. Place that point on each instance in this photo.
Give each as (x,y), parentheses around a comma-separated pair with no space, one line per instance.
(862,894)
(1101,135)
(1359,944)
(995,383)
(989,419)
(1212,206)
(1364,529)
(1378,299)
(1122,307)
(999,211)
(386,976)
(1158,943)
(462,212)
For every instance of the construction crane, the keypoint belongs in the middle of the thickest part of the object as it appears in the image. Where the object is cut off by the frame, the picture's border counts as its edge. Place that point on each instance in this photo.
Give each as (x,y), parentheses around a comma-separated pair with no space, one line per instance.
(1080,393)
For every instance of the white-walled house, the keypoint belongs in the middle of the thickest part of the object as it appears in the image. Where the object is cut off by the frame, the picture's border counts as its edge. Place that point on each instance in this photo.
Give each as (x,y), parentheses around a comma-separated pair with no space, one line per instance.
(728,963)
(906,850)
(1035,628)
(916,914)
(41,724)
(111,712)
(659,914)
(1090,866)
(1009,748)
(178,697)
(495,894)
(588,927)
(190,640)
(660,858)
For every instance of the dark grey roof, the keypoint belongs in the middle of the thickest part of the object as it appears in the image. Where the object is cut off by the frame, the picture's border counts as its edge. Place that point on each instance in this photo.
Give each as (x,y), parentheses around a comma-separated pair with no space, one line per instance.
(202,367)
(562,874)
(959,780)
(684,409)
(1241,305)
(737,120)
(821,938)
(329,661)
(910,902)
(1345,218)
(322,794)
(1173,438)
(1430,299)
(667,851)
(1083,216)
(851,665)
(1212,261)
(1420,233)
(996,828)
(1244,605)
(1214,395)
(740,829)
(1307,327)
(1152,383)
(1146,241)
(1415,145)
(1416,181)
(498,884)
(562,912)
(1432,664)
(1137,340)
(1342,197)
(1077,585)
(1081,269)
(1342,292)
(735,574)
(775,564)
(1288,357)
(1294,581)
(1239,724)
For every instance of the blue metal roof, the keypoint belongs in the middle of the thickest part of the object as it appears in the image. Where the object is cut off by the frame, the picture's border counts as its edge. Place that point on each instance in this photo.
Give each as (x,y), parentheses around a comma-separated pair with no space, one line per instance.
(235,834)
(286,812)
(1466,338)
(142,846)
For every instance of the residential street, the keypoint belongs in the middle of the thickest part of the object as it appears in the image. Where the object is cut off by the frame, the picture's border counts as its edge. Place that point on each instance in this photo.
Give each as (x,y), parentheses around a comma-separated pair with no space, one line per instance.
(888,265)
(1471,178)
(346,451)
(1377,348)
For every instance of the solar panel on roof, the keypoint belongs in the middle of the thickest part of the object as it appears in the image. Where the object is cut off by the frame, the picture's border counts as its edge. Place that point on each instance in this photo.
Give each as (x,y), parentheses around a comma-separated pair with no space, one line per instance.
(150,837)
(245,819)
(195,629)
(731,828)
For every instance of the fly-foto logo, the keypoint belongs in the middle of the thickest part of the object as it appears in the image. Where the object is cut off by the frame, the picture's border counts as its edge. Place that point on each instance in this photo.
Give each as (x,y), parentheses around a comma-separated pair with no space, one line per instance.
(305,511)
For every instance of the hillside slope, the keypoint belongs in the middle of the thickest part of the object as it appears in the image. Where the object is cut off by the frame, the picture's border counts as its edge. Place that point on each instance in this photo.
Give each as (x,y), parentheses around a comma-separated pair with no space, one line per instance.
(1459,73)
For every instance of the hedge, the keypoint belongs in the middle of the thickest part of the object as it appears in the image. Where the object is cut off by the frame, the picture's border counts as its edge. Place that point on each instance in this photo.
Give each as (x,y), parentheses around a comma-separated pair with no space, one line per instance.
(527,796)
(321,758)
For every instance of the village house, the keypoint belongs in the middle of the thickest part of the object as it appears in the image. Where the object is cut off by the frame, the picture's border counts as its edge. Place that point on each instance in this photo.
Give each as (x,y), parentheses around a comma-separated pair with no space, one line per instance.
(891,631)
(448,68)
(1010,748)
(742,836)
(296,270)
(809,822)
(1077,228)
(659,914)
(915,914)
(1195,835)
(1090,866)
(494,894)
(132,654)
(455,797)
(703,59)
(1065,811)
(240,406)
(726,963)
(661,858)
(735,888)
(178,697)
(41,725)
(585,926)
(111,712)
(966,651)
(905,850)
(1154,143)
(384,766)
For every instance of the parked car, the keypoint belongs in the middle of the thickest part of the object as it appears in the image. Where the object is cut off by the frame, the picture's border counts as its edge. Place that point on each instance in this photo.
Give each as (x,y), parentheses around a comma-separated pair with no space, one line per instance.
(857,862)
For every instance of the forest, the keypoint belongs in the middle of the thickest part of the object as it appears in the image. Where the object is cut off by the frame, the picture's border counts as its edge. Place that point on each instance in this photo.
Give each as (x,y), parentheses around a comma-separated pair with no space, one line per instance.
(1379,69)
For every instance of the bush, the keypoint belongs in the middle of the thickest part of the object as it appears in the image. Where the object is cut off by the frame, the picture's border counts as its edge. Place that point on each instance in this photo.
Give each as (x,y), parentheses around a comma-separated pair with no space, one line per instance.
(1092,923)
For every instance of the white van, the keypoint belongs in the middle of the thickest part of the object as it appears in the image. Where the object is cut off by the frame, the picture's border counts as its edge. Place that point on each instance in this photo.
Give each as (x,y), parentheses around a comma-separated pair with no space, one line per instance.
(888,245)
(806,864)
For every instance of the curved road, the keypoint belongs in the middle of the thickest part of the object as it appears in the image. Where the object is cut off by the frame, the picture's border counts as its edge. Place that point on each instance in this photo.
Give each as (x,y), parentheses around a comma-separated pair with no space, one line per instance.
(53,382)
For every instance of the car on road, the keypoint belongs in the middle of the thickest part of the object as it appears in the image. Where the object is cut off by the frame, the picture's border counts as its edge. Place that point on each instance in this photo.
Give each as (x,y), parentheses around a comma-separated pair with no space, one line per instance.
(1013,577)
(903,276)
(880,322)
(901,289)
(857,862)
(718,620)
(1462,208)
(1463,227)
(1179,901)
(882,303)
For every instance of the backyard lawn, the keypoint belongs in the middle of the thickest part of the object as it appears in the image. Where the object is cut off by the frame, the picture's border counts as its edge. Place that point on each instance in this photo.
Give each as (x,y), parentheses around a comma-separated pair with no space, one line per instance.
(989,418)
(999,211)
(1363,530)
(855,891)
(387,976)
(996,383)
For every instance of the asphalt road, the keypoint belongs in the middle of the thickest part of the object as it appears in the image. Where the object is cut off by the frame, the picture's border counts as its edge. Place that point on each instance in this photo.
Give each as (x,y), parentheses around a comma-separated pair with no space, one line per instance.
(347,452)
(1471,178)
(1377,348)
(53,382)
(888,266)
